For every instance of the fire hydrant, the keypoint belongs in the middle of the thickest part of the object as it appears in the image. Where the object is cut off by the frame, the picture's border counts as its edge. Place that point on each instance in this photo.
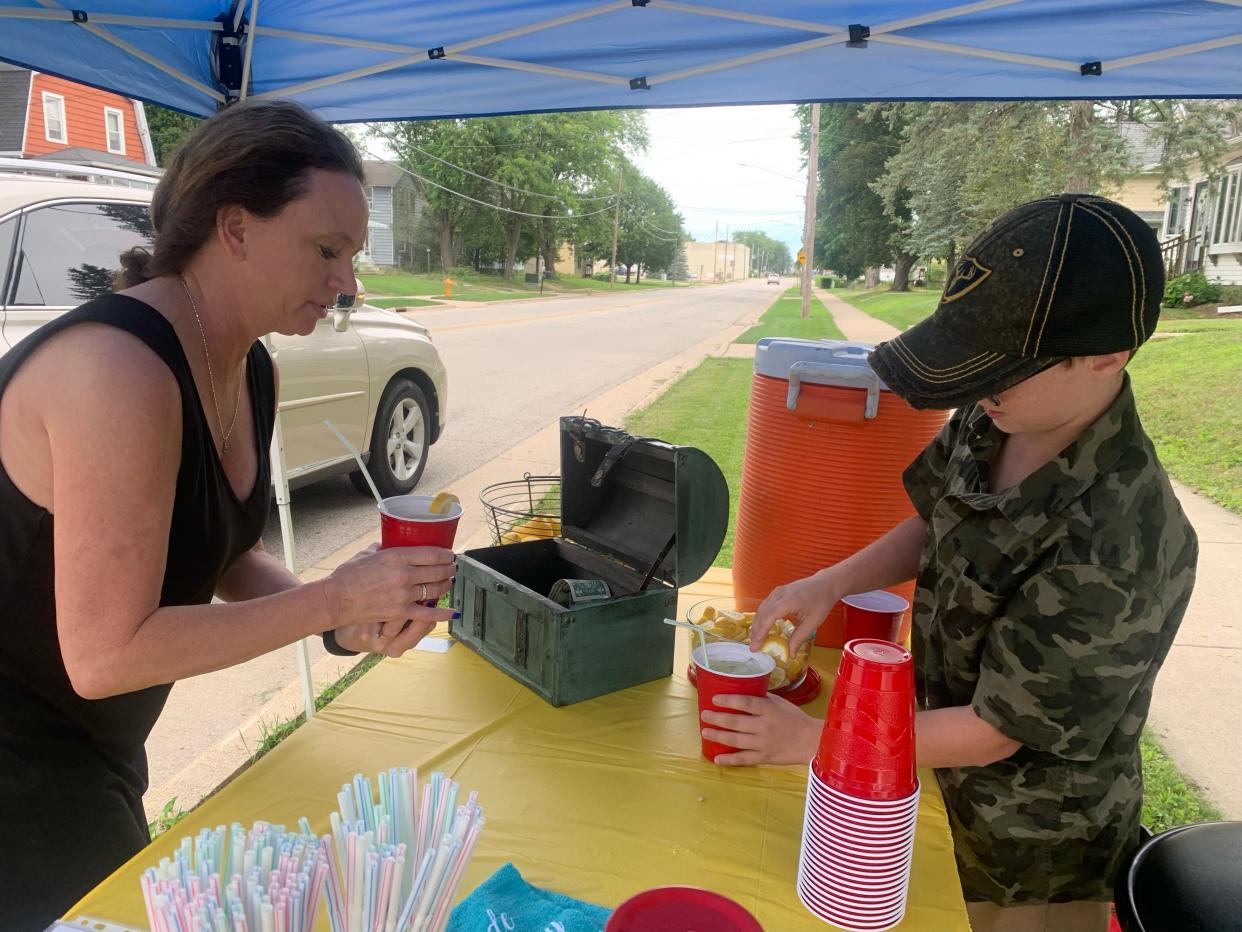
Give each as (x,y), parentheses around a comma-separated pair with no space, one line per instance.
(448,287)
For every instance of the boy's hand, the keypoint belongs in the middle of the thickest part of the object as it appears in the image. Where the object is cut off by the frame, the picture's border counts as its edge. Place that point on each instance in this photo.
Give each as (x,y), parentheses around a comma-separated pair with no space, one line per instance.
(771,731)
(806,602)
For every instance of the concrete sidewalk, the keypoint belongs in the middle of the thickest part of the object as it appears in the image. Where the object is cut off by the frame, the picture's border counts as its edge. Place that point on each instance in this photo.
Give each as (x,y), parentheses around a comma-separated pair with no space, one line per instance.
(1197,707)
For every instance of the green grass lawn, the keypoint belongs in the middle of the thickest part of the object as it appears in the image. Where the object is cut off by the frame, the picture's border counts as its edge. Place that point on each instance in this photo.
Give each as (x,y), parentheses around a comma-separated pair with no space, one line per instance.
(1189,391)
(901,309)
(707,408)
(402,302)
(572,283)
(784,319)
(469,288)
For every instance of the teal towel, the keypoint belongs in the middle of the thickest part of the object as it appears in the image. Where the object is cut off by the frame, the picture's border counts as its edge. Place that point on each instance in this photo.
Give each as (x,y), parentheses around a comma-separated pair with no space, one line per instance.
(507,903)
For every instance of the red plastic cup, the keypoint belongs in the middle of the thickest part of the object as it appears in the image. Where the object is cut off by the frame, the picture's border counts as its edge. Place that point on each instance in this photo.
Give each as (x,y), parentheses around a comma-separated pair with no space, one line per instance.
(875,614)
(866,748)
(407,521)
(676,909)
(712,682)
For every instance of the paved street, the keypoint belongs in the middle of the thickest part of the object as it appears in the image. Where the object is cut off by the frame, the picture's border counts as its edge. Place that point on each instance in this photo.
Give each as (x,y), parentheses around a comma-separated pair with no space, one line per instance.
(513,369)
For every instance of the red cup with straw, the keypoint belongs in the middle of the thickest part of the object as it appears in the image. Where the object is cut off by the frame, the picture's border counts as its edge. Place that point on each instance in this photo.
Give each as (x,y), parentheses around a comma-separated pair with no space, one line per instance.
(725,667)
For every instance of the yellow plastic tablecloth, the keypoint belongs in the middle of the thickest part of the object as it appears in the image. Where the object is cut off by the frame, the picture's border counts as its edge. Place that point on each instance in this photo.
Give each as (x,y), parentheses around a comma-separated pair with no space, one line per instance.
(598,800)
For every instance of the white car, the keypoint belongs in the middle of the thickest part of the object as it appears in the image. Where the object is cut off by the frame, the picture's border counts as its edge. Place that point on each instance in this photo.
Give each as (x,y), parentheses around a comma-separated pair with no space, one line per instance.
(773,278)
(375,374)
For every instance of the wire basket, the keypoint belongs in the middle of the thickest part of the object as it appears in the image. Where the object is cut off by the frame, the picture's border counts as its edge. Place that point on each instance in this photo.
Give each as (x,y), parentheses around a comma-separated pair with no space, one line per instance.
(523,509)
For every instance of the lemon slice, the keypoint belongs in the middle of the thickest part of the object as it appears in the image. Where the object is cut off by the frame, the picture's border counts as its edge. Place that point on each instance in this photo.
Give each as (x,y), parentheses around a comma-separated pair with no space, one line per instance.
(443,503)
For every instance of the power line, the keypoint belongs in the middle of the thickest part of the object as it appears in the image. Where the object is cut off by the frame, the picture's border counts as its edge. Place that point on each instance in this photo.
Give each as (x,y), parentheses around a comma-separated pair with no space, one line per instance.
(467,197)
(555,197)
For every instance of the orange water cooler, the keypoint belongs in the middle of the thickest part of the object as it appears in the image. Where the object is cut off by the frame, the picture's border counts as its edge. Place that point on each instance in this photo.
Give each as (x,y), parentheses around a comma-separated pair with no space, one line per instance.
(821,478)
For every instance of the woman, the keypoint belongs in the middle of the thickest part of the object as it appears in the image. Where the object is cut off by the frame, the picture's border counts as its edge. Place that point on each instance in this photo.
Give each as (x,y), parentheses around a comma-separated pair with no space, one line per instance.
(135,483)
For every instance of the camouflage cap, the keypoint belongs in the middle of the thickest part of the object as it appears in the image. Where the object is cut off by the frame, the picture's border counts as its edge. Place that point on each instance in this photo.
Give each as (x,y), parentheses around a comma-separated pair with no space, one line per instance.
(1067,275)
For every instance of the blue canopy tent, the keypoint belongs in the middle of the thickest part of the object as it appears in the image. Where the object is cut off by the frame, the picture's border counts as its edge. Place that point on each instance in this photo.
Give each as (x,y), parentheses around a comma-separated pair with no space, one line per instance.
(396,59)
(373,60)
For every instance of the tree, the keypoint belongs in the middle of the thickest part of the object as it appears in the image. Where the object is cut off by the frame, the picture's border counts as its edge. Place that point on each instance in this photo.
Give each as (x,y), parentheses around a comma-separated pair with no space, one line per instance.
(168,129)
(765,252)
(960,165)
(528,175)
(431,150)
(855,229)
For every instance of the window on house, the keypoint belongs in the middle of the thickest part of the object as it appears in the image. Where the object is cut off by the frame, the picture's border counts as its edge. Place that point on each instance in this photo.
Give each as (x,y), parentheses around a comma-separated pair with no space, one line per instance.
(1225,228)
(370,197)
(114,126)
(1177,212)
(54,118)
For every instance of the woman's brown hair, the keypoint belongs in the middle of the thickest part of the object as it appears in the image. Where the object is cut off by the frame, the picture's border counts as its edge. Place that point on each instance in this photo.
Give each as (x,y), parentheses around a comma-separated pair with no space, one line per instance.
(255,155)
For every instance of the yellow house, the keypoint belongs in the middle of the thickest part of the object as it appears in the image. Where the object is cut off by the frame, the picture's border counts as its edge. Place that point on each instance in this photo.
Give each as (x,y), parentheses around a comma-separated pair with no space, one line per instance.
(719,261)
(566,262)
(1199,222)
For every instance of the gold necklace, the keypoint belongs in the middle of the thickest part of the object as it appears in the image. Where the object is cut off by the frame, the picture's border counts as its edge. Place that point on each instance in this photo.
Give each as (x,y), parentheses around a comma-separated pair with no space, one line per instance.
(211,378)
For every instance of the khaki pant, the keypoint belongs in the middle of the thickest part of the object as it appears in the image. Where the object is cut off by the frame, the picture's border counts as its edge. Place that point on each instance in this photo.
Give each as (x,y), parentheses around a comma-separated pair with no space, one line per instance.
(1080,916)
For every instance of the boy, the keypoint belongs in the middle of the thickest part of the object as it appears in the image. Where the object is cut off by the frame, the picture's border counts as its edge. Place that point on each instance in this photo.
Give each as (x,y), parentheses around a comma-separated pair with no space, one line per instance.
(1053,563)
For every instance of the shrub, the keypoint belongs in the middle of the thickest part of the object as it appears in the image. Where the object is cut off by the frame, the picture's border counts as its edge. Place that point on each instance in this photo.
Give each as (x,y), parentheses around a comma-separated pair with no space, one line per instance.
(1191,289)
(1230,294)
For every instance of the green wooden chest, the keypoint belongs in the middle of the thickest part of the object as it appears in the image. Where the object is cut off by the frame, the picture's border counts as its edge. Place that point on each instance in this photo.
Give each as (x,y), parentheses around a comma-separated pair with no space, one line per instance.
(642,515)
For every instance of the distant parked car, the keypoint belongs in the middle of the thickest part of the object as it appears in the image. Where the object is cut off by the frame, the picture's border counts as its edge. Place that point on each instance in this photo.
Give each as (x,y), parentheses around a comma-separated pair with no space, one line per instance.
(773,278)
(375,374)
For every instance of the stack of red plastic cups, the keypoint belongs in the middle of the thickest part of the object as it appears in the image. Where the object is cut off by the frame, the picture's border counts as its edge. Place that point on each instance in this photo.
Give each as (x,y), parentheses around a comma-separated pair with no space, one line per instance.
(863,794)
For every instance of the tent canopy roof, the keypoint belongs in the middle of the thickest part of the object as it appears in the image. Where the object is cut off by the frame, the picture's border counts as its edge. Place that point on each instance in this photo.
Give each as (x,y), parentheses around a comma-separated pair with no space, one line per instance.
(392,59)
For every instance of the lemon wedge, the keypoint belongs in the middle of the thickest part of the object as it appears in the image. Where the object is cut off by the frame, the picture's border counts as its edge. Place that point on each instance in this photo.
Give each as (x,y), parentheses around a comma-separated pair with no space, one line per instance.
(443,503)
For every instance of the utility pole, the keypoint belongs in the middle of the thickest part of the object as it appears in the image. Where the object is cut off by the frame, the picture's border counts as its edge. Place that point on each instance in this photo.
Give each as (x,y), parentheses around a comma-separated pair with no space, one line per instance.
(724,276)
(715,245)
(616,225)
(808,229)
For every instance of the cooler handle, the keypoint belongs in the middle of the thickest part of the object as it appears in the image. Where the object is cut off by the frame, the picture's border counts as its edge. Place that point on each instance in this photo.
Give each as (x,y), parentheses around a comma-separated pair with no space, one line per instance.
(826,373)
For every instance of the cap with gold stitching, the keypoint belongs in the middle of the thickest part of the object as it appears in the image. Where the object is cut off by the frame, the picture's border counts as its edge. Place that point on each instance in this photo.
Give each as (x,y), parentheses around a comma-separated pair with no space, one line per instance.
(1067,275)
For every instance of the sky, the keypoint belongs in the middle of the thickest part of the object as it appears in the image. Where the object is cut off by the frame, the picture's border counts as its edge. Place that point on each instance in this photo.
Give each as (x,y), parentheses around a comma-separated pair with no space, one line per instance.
(740,167)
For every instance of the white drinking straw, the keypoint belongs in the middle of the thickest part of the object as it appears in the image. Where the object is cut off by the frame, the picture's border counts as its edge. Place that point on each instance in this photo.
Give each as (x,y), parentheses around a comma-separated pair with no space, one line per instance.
(697,629)
(362,468)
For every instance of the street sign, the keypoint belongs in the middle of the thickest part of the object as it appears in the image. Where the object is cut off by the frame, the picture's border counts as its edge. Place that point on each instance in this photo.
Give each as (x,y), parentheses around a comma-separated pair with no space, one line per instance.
(801,257)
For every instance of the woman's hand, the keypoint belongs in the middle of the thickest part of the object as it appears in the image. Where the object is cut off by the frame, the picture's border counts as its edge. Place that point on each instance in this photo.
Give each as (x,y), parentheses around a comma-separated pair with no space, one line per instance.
(806,602)
(770,730)
(382,601)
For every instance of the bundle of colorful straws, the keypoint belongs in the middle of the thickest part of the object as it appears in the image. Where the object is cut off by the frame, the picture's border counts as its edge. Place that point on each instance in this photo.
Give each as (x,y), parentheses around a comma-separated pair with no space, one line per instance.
(388,866)
(370,888)
(276,881)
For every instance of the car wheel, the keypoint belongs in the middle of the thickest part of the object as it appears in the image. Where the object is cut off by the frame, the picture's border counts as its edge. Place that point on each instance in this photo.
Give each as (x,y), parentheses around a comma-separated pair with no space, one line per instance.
(399,441)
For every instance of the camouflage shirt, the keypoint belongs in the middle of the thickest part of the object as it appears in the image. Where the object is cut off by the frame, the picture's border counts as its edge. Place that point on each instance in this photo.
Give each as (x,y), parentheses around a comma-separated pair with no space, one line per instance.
(1048,608)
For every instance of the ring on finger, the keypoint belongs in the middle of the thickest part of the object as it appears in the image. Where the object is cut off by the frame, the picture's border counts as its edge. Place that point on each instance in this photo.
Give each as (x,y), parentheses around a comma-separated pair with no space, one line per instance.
(423,589)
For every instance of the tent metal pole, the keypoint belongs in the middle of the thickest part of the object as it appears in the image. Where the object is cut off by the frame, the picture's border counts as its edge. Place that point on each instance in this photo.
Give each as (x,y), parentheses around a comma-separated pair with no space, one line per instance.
(975,52)
(948,13)
(538,27)
(305,86)
(108,19)
(676,6)
(1175,51)
(141,55)
(300,36)
(795,49)
(250,40)
(539,69)
(280,485)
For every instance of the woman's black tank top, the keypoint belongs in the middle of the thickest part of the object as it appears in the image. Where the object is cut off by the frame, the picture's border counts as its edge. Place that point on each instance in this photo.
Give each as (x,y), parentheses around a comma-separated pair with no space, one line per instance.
(39,712)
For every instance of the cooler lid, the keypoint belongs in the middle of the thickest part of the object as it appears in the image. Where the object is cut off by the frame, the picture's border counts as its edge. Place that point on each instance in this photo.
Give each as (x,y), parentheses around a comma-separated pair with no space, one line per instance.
(839,363)
(641,501)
